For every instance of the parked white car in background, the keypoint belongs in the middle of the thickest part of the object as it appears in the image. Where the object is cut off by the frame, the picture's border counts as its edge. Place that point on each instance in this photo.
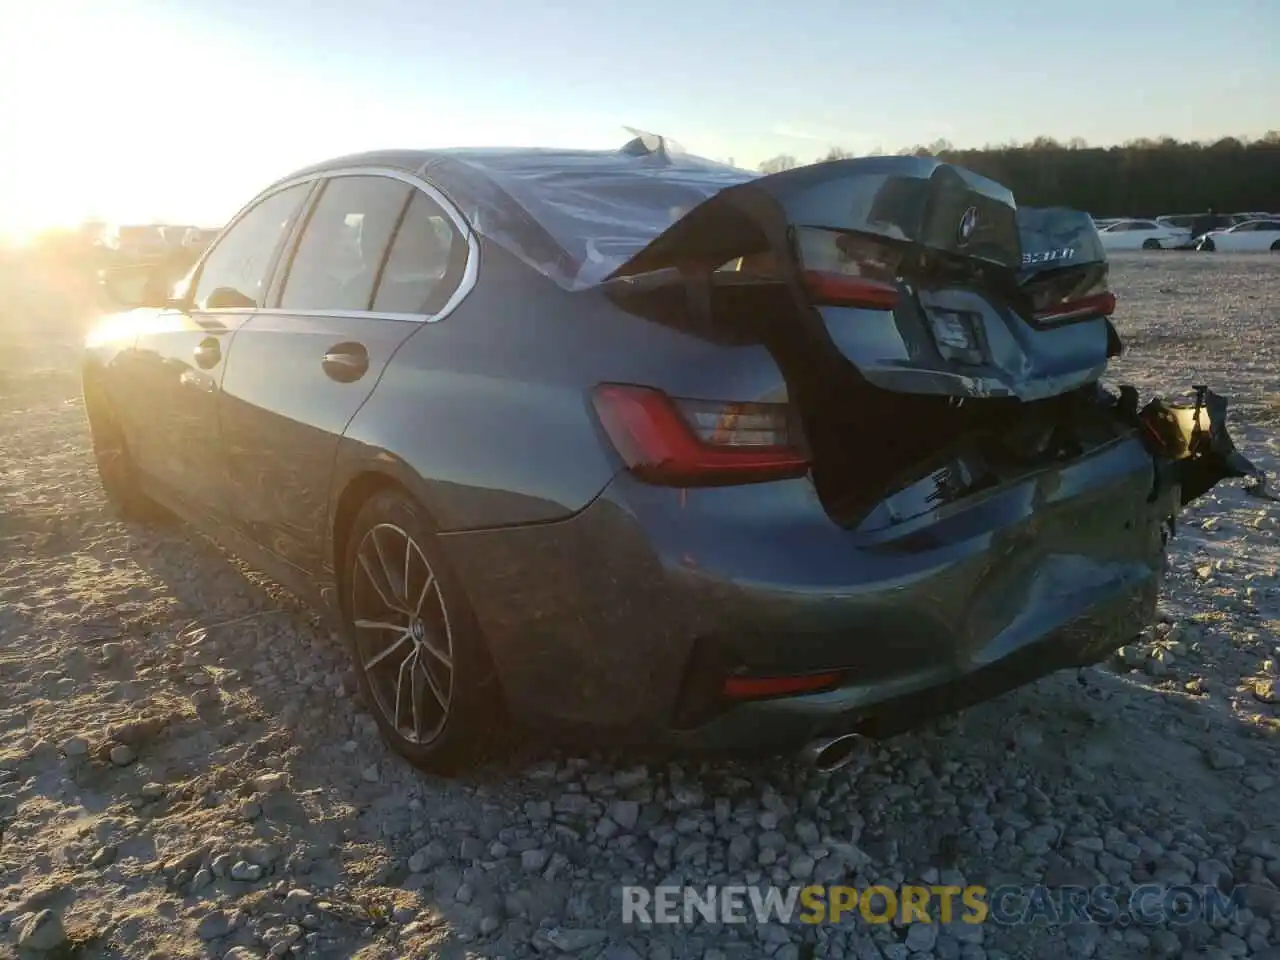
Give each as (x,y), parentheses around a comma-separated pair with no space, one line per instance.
(1142,235)
(1253,236)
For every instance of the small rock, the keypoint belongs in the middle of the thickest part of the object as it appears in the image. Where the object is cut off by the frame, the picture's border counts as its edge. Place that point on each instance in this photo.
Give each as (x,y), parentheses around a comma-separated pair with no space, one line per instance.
(1164,943)
(625,813)
(213,925)
(271,783)
(1233,945)
(137,732)
(240,953)
(75,747)
(1220,758)
(122,755)
(1257,845)
(802,867)
(202,879)
(250,810)
(1131,656)
(246,872)
(1214,873)
(42,933)
(370,773)
(104,856)
(571,941)
(921,937)
(298,898)
(1266,691)
(152,791)
(534,860)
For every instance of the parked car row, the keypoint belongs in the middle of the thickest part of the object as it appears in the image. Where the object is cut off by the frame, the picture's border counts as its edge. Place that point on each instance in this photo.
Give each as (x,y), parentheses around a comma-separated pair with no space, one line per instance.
(1232,232)
(1248,237)
(139,243)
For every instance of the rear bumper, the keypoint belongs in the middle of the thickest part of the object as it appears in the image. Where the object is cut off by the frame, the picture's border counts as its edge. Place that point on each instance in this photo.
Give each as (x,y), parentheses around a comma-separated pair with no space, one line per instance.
(613,620)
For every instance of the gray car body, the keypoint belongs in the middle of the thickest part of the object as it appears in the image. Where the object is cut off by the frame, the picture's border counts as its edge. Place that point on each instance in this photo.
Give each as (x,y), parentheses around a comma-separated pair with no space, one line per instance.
(605,600)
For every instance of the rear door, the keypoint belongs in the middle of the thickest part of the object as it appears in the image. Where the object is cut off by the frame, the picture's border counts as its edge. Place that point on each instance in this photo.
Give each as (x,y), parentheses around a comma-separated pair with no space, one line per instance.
(375,258)
(176,366)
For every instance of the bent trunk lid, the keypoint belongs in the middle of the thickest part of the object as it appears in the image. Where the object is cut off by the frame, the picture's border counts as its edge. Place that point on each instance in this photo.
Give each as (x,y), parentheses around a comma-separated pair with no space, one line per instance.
(957,313)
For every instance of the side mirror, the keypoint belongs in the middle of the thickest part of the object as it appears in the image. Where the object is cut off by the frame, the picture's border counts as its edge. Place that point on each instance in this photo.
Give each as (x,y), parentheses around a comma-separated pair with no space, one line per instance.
(136,285)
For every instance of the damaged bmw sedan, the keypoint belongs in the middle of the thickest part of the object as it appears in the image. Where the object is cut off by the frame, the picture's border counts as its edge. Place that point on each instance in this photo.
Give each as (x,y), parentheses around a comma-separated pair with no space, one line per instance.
(634,445)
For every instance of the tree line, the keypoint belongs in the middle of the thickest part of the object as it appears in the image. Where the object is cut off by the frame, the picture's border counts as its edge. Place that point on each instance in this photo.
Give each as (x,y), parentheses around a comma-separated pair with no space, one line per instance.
(1141,178)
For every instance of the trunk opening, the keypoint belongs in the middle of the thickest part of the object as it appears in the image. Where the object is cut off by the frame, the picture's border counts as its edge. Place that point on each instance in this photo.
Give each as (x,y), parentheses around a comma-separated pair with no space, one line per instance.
(935,340)
(870,447)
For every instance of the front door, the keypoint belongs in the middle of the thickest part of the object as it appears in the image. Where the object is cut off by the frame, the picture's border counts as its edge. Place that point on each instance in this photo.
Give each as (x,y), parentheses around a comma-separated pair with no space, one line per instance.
(181,353)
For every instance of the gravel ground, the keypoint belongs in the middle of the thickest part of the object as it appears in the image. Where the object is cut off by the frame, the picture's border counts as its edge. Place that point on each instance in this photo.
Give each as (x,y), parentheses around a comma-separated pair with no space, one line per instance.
(186,772)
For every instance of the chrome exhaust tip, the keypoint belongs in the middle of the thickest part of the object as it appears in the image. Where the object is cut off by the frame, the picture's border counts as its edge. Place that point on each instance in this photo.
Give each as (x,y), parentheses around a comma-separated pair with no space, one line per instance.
(828,754)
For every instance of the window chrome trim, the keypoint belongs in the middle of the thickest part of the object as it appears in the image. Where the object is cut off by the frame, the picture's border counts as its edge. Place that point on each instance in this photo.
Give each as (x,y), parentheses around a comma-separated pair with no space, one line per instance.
(470,271)
(346,314)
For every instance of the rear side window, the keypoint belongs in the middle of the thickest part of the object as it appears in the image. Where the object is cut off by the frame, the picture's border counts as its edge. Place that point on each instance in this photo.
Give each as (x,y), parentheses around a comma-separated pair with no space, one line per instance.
(426,261)
(234,273)
(344,243)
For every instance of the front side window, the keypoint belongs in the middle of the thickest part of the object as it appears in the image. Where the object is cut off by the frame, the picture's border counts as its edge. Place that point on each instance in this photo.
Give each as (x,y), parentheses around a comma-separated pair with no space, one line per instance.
(234,274)
(426,261)
(342,248)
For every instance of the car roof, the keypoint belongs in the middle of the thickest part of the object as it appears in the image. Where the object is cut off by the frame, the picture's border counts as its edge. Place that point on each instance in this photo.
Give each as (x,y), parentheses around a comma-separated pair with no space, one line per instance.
(573,215)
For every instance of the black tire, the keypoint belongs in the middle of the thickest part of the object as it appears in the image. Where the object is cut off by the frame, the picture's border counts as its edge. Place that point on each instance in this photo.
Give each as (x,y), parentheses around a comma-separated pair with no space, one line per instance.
(458,717)
(116,469)
(1206,246)
(1151,244)
(1275,247)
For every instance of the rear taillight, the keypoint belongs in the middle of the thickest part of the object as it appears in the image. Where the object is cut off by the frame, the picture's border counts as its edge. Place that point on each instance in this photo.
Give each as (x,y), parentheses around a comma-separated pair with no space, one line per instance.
(691,443)
(1061,296)
(837,290)
(756,688)
(846,269)
(1094,305)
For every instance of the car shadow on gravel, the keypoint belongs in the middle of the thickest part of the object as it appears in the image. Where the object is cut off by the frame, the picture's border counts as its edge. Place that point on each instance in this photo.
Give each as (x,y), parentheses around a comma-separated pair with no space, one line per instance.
(356,816)
(262,752)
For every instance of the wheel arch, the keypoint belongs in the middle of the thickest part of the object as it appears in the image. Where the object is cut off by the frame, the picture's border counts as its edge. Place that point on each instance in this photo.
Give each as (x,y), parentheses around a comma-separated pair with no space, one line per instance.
(353,489)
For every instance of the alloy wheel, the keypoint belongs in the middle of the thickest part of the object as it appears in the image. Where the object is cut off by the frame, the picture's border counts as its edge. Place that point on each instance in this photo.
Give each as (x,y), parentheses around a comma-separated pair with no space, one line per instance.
(402,636)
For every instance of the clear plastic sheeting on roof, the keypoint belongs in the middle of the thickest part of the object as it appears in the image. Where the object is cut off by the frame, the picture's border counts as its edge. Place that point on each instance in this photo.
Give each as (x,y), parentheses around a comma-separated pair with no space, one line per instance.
(578,215)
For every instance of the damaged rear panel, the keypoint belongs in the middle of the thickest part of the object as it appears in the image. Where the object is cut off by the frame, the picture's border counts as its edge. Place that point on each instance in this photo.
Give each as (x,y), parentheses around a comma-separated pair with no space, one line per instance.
(935,340)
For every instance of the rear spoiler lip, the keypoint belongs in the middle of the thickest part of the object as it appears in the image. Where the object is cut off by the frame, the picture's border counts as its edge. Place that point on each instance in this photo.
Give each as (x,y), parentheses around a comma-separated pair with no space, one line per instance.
(755,216)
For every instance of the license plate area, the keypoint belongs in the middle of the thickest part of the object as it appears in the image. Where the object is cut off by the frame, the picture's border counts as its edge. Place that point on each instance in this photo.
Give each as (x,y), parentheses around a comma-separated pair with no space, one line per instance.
(957,334)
